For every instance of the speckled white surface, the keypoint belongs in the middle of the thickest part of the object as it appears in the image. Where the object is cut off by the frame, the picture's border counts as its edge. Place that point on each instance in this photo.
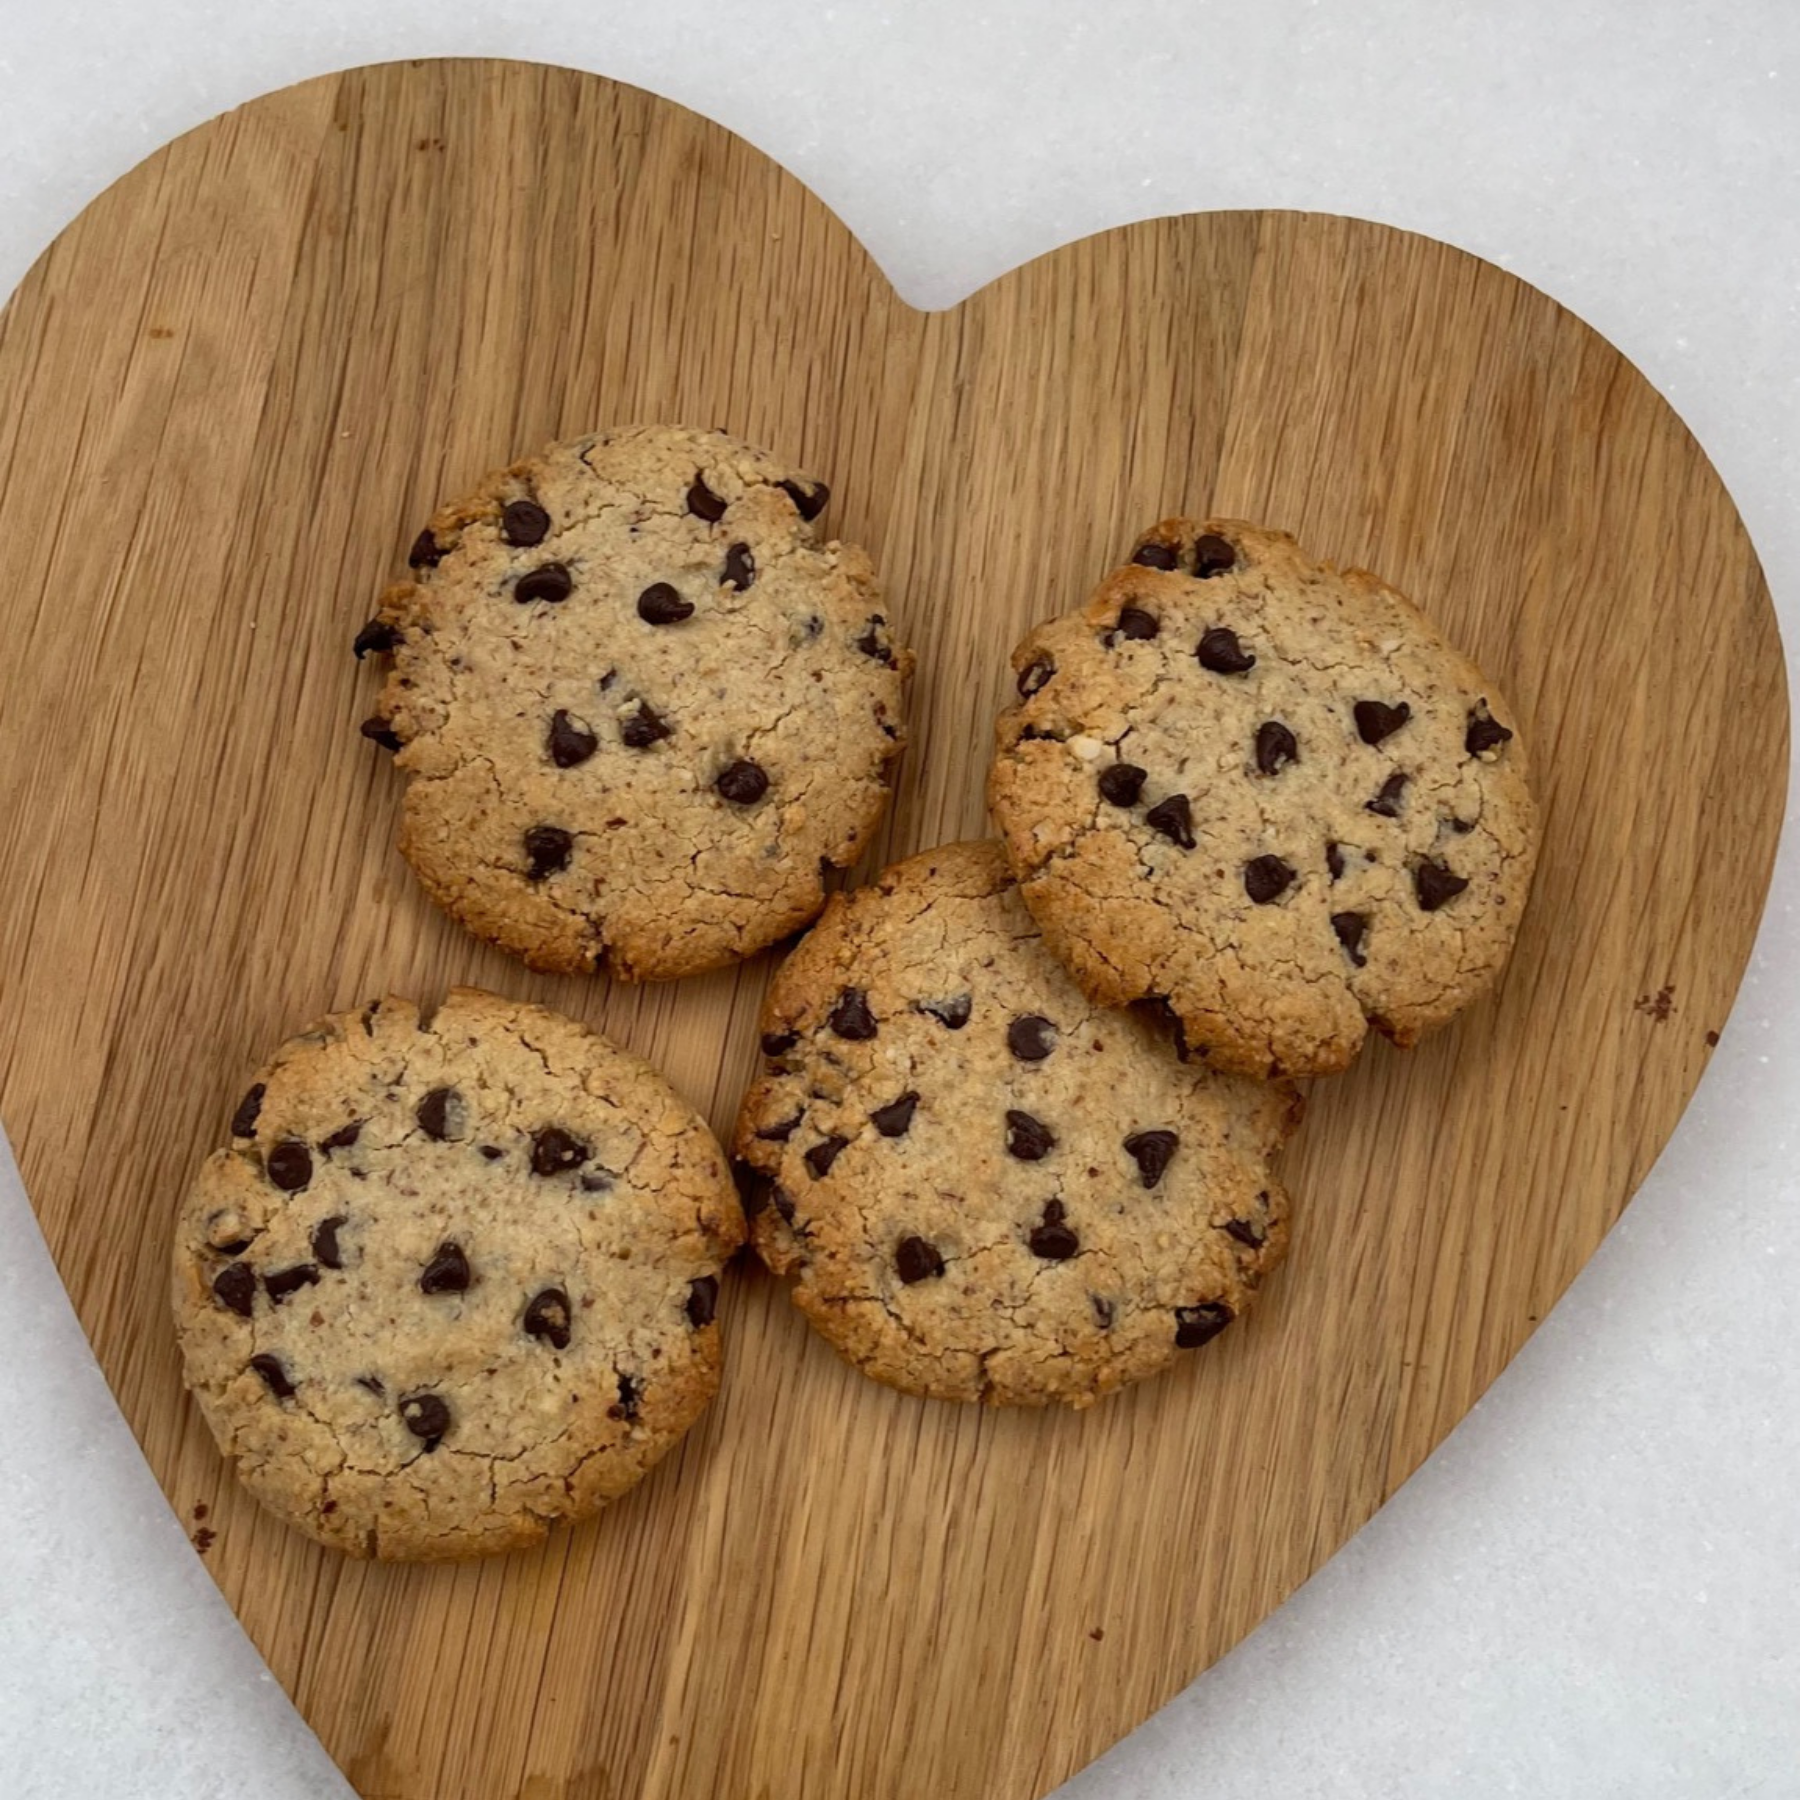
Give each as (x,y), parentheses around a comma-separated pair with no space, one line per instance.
(1593,1588)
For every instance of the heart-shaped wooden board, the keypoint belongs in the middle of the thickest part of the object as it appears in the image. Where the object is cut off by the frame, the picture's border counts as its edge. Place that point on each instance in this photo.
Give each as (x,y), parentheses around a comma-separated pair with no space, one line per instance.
(229,395)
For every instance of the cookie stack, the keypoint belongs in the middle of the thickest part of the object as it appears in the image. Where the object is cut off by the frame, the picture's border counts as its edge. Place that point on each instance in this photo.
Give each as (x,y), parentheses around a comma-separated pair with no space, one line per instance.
(455,1278)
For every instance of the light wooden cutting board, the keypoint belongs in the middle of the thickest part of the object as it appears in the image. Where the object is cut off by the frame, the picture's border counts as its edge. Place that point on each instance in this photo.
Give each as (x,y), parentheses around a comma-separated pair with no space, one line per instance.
(229,395)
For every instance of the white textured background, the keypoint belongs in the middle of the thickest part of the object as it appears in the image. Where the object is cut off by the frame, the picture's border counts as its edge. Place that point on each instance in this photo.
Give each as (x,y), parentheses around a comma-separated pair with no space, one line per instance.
(1593,1588)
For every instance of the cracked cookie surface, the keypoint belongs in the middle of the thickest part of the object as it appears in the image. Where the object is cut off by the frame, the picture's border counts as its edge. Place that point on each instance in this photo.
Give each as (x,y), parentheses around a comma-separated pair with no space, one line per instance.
(1264,791)
(641,707)
(453,1282)
(986,1187)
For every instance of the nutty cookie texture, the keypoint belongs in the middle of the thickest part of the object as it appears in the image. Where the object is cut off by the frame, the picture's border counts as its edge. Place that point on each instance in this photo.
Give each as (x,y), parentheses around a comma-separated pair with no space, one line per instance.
(643,710)
(1265,793)
(987,1187)
(454,1281)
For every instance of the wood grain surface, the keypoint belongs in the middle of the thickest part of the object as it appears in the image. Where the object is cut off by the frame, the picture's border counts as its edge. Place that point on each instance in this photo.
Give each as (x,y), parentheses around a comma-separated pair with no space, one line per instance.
(230,393)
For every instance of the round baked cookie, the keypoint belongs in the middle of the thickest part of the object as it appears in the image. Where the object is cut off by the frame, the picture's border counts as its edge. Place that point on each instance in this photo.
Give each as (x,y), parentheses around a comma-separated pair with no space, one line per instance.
(454,1281)
(1266,792)
(987,1187)
(643,710)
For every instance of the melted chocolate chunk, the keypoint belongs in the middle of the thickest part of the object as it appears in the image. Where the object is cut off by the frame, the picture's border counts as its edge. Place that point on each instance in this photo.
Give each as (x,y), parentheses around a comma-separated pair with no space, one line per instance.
(235,1288)
(274,1373)
(524,523)
(916,1259)
(547,1316)
(243,1121)
(1197,1325)
(1376,720)
(895,1119)
(1120,783)
(555,1151)
(447,1272)
(1267,878)
(1221,652)
(851,1017)
(1152,1151)
(702,1300)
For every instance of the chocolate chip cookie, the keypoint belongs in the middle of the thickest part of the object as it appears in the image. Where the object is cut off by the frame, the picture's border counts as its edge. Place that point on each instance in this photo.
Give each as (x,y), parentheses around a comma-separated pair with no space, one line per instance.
(1264,793)
(454,1281)
(987,1187)
(642,708)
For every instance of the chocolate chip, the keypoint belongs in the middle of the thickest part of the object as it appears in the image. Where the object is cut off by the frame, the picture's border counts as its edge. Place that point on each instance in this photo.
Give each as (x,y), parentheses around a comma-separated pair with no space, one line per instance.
(344,1138)
(780,1133)
(755,1189)
(1213,555)
(1121,783)
(555,1151)
(235,1286)
(703,503)
(702,1300)
(1249,1234)
(1103,1312)
(597,1181)
(1462,827)
(426,552)
(851,1017)
(1030,1037)
(808,502)
(378,636)
(426,1416)
(492,1152)
(644,727)
(872,643)
(243,1121)
(661,604)
(1152,1151)
(1266,878)
(1334,859)
(548,848)
(779,1043)
(1053,1240)
(1387,802)
(547,1316)
(374,1384)
(916,1258)
(434,1113)
(743,783)
(1351,929)
(1434,884)
(1221,652)
(952,1014)
(1275,747)
(274,1374)
(822,1155)
(278,1284)
(740,568)
(290,1165)
(895,1119)
(550,581)
(524,523)
(1196,1325)
(1484,733)
(1174,819)
(1134,623)
(783,1203)
(1034,675)
(447,1272)
(1152,555)
(325,1246)
(570,741)
(1376,720)
(1029,1139)
(631,1394)
(378,731)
